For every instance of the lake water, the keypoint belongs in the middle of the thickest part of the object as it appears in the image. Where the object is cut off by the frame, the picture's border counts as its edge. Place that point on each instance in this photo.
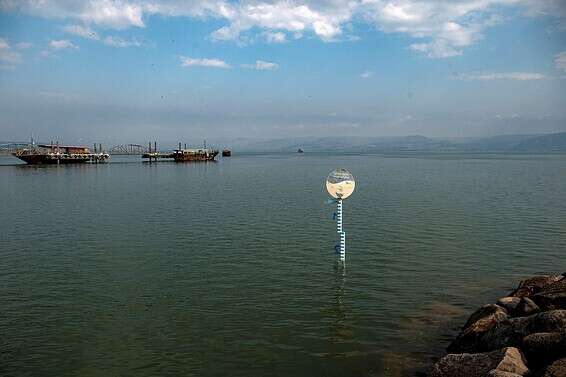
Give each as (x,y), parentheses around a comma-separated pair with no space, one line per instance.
(228,268)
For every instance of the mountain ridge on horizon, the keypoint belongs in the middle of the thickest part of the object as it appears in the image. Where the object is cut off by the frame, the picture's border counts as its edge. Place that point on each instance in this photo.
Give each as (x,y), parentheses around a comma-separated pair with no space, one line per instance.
(552,142)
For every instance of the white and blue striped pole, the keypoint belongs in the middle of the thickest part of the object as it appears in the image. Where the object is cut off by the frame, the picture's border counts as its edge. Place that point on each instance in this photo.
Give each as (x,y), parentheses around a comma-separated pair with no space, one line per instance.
(340,231)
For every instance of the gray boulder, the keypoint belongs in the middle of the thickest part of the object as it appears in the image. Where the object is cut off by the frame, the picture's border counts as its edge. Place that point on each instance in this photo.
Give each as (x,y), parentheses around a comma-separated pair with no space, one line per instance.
(556,369)
(544,348)
(518,306)
(477,325)
(510,333)
(509,303)
(534,285)
(526,308)
(508,360)
(553,296)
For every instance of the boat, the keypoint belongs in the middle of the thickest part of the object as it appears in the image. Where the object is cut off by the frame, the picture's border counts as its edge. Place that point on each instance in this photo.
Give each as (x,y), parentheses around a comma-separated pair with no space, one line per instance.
(203,154)
(300,150)
(226,153)
(50,154)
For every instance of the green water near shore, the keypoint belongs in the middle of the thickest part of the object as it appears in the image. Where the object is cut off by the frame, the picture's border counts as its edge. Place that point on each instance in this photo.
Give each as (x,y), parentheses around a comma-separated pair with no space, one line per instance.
(206,269)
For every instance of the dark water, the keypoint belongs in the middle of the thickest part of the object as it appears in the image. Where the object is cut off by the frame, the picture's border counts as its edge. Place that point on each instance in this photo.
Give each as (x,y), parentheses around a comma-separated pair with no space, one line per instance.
(131,269)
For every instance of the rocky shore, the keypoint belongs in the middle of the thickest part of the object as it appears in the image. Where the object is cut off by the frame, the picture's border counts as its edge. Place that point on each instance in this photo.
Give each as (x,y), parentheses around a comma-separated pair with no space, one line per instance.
(523,334)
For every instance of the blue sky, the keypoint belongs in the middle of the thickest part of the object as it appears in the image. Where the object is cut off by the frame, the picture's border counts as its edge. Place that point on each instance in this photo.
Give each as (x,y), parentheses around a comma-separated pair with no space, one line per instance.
(118,71)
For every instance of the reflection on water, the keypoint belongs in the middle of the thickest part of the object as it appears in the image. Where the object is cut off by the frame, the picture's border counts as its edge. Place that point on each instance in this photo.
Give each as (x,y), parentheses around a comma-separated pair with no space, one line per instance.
(338,327)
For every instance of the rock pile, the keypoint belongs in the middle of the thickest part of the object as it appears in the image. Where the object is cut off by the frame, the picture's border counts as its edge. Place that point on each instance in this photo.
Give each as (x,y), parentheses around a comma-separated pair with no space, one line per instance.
(523,334)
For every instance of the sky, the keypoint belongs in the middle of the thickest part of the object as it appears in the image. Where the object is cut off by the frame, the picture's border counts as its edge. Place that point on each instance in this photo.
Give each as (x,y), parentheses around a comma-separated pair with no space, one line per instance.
(169,70)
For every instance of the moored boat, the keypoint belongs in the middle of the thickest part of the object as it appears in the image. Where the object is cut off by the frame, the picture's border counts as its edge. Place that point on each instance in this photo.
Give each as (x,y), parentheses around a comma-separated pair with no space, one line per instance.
(182,155)
(44,154)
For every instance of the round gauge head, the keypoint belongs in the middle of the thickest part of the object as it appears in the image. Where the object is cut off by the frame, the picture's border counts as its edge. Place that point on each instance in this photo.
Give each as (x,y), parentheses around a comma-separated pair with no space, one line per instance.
(340,183)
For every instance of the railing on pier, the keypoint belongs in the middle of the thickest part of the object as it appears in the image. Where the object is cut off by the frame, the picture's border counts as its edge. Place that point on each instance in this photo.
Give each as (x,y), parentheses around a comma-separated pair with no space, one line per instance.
(128,149)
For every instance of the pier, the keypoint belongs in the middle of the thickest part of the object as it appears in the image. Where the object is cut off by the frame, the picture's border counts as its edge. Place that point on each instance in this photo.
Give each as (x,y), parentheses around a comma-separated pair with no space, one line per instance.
(74,153)
(154,156)
(181,154)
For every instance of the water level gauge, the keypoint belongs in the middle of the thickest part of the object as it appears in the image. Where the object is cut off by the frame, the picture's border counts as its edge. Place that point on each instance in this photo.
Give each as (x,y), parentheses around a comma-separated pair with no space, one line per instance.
(340,184)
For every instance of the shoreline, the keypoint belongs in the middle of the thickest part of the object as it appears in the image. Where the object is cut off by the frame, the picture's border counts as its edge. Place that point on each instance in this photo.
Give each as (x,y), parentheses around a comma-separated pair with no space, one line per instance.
(522,334)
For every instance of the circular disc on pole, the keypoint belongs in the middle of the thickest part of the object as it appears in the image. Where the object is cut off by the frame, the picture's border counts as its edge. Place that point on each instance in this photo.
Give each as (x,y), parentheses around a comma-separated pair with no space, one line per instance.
(340,183)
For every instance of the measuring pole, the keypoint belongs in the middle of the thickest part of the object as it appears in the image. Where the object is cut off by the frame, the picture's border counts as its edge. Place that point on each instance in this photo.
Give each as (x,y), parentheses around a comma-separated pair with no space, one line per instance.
(340,231)
(340,185)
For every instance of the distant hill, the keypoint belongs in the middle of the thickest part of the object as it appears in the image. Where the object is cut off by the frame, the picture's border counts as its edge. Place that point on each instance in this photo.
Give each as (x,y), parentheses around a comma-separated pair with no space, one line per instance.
(350,144)
(538,143)
(544,143)
(416,143)
(555,142)
(494,143)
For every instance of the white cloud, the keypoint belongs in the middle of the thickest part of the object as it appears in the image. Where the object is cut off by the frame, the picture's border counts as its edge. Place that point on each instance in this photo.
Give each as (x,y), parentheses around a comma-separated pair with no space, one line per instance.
(58,45)
(519,76)
(62,44)
(261,65)
(439,28)
(547,8)
(275,37)
(265,66)
(116,14)
(120,42)
(109,13)
(81,31)
(213,63)
(225,33)
(560,61)
(444,28)
(367,74)
(8,57)
(88,33)
(324,19)
(398,12)
(23,45)
(436,49)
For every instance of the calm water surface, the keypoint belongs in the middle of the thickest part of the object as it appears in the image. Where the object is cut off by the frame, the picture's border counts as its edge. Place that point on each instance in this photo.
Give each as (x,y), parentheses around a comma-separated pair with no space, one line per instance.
(132,269)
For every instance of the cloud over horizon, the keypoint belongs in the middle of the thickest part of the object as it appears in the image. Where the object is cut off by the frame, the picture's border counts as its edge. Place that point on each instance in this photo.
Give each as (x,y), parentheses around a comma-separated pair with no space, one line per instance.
(560,61)
(109,40)
(488,76)
(367,74)
(62,44)
(213,63)
(8,57)
(261,65)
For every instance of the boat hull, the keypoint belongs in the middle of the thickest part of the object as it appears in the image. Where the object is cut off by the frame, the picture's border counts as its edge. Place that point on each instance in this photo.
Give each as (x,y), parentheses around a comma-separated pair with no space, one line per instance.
(189,157)
(46,159)
(39,159)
